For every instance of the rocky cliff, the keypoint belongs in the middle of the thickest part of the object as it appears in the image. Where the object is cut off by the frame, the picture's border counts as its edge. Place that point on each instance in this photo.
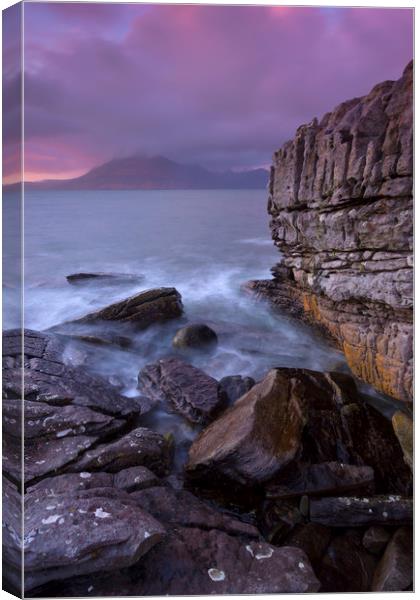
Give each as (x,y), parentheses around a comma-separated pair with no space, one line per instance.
(341,209)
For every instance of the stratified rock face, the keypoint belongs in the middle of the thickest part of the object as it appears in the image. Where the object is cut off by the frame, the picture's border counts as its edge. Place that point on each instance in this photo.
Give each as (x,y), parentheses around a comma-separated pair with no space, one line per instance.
(341,214)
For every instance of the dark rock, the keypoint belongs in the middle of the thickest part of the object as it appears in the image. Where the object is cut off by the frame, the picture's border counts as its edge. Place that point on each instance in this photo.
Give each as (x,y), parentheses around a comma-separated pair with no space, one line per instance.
(143,309)
(181,508)
(188,390)
(197,336)
(236,386)
(108,278)
(277,519)
(193,561)
(83,532)
(140,447)
(375,539)
(346,565)
(255,438)
(323,479)
(312,538)
(356,512)
(395,571)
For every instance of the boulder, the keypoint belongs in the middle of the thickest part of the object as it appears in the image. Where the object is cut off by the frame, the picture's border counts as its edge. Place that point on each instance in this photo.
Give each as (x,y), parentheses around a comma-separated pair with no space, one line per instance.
(312,538)
(323,479)
(255,438)
(197,336)
(375,539)
(395,571)
(236,386)
(403,427)
(108,278)
(183,388)
(350,511)
(346,565)
(142,310)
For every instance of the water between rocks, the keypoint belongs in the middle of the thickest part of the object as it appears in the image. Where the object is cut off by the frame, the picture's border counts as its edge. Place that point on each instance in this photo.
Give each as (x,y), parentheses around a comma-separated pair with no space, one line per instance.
(204,243)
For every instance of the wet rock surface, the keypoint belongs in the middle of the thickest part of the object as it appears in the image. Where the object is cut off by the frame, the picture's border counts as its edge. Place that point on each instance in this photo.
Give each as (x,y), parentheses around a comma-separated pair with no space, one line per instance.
(142,310)
(108,278)
(341,207)
(195,336)
(188,390)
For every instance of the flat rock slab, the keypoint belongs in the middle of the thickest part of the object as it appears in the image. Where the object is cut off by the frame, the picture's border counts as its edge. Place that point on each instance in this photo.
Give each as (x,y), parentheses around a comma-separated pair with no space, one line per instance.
(82,532)
(143,309)
(350,511)
(323,479)
(108,278)
(255,438)
(188,390)
(140,447)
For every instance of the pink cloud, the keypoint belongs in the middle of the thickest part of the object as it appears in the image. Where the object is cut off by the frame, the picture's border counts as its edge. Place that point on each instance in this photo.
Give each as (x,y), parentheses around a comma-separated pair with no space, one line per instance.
(223,86)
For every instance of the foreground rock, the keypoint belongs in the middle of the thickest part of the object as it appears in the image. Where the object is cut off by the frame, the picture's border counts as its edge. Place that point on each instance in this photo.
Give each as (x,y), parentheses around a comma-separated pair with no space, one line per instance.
(256,437)
(84,532)
(305,416)
(403,427)
(341,207)
(108,278)
(395,571)
(67,410)
(184,388)
(195,337)
(142,310)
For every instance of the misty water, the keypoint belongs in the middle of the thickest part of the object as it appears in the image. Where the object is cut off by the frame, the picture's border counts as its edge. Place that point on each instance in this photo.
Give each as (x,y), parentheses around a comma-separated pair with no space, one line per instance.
(204,243)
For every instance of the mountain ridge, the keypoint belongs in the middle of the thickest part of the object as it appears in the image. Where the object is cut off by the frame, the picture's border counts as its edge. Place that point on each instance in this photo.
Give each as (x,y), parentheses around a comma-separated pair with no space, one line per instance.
(158,172)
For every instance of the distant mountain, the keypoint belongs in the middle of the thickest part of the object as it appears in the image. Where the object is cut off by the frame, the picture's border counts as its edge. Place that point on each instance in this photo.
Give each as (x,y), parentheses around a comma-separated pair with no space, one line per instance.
(140,173)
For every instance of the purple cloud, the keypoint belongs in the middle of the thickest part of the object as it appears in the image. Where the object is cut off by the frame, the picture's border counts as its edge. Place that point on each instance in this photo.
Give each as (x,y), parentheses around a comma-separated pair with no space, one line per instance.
(217,85)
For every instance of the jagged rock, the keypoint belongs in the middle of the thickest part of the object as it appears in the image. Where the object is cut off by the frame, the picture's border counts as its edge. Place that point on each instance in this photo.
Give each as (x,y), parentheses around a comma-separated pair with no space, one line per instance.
(235,386)
(135,478)
(341,207)
(346,565)
(188,390)
(48,379)
(108,278)
(256,437)
(143,309)
(323,479)
(318,416)
(83,532)
(375,539)
(403,427)
(395,571)
(140,447)
(181,508)
(197,336)
(350,511)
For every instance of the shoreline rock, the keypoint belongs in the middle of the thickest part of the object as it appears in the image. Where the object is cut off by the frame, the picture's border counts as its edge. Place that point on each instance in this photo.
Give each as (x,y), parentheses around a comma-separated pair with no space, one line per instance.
(341,208)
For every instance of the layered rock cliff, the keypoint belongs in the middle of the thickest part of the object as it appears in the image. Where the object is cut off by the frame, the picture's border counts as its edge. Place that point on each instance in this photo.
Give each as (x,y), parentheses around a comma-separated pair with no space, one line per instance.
(341,209)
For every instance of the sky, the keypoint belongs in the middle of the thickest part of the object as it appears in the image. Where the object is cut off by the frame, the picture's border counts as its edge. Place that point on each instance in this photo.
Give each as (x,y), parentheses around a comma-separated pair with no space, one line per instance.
(220,86)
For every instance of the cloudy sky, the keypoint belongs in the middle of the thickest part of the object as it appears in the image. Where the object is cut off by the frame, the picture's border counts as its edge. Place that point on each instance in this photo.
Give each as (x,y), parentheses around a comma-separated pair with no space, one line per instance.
(216,85)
